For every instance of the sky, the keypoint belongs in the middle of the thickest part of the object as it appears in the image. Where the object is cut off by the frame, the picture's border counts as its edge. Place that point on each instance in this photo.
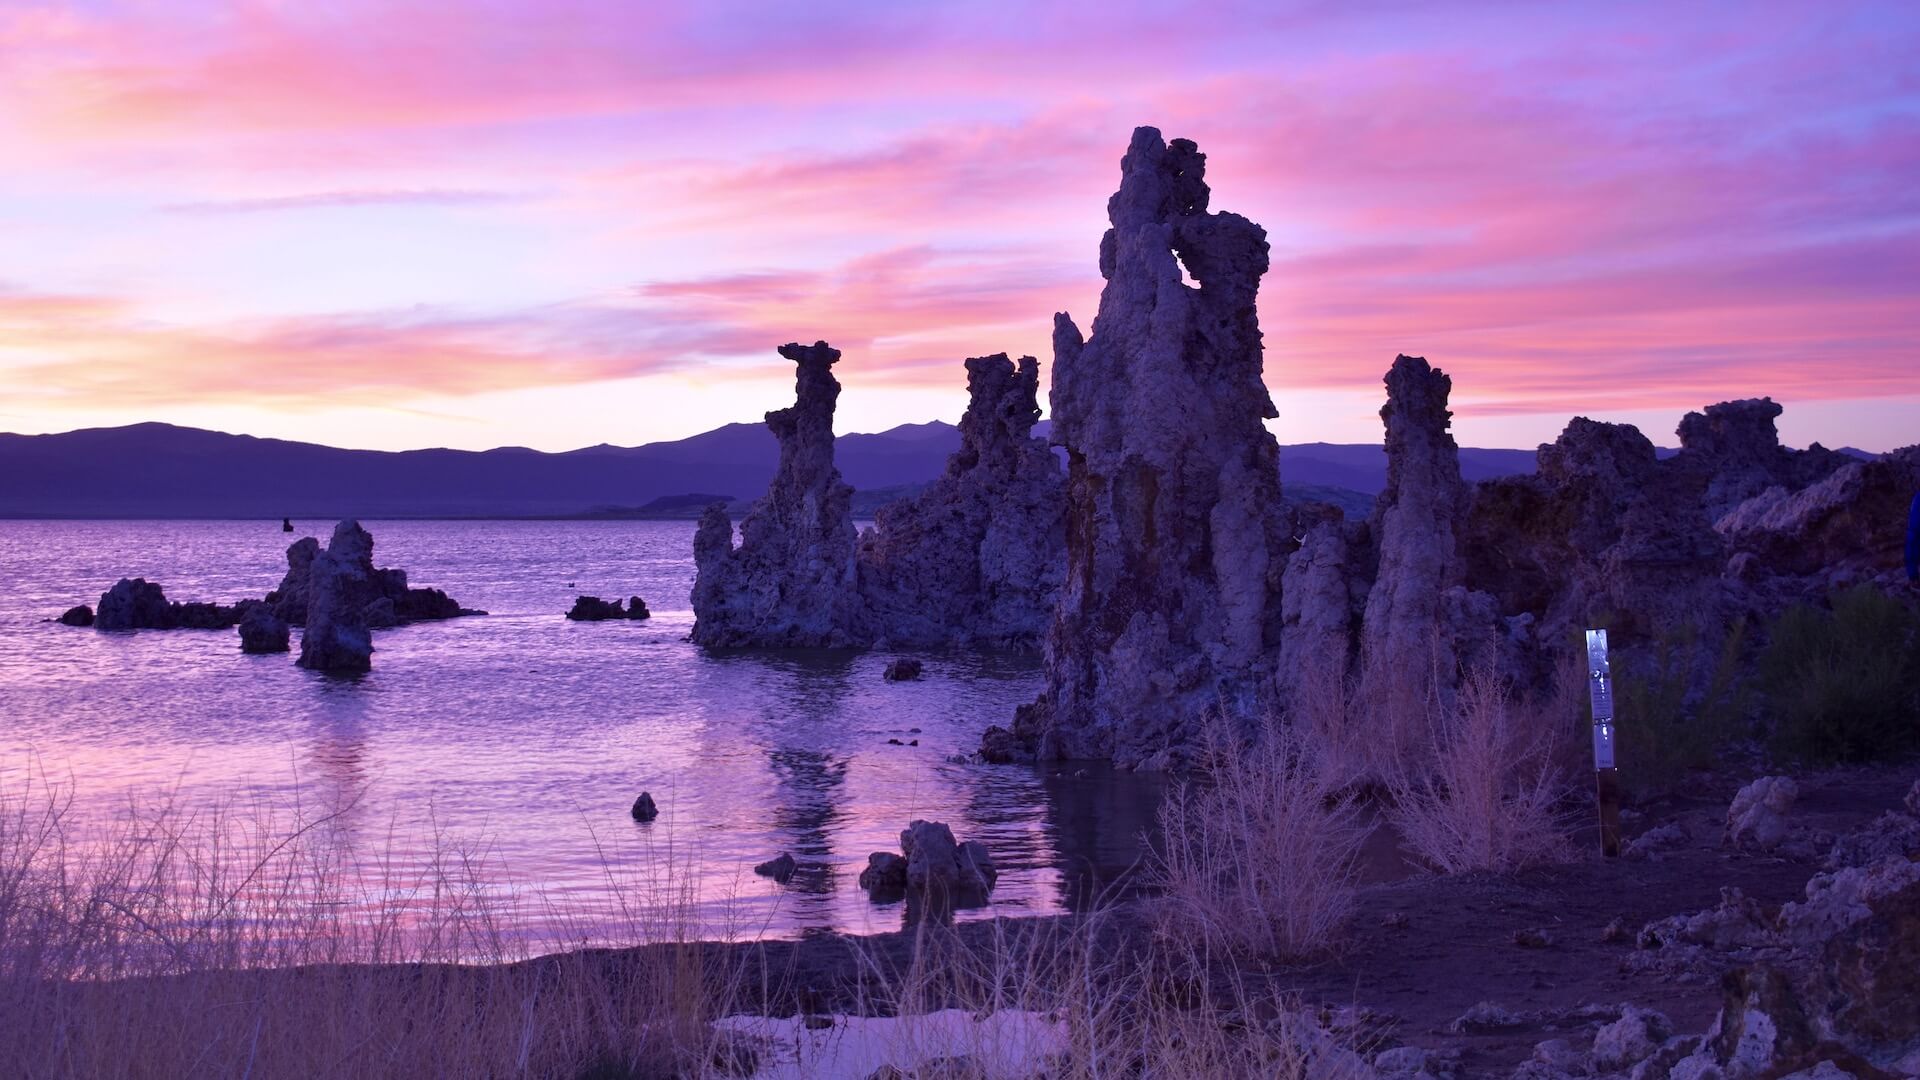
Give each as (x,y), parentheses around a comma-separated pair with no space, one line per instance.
(553,223)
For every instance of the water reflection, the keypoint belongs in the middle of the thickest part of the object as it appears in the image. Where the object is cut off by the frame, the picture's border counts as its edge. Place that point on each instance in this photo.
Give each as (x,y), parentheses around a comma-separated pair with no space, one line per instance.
(531,735)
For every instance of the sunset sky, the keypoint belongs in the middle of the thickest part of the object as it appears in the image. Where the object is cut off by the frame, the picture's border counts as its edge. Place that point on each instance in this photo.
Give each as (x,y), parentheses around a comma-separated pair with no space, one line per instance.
(554,224)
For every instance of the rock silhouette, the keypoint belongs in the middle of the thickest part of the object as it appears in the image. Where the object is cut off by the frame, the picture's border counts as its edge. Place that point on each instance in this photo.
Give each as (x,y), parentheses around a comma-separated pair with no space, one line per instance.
(976,558)
(261,631)
(594,609)
(340,588)
(139,604)
(369,585)
(1171,600)
(793,580)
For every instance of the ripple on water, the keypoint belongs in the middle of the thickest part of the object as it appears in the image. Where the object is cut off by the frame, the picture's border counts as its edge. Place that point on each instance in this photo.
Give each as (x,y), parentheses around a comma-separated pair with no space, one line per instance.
(526,736)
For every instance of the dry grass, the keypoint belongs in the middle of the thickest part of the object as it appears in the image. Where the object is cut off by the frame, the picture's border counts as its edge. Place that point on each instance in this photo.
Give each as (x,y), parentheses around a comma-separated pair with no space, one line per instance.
(1259,856)
(1483,795)
(229,942)
(1088,1000)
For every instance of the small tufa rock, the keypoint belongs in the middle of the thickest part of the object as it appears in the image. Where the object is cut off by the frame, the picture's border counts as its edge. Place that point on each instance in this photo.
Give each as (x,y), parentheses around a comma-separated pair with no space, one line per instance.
(1488,1016)
(261,631)
(1533,938)
(1560,1056)
(1893,834)
(1616,932)
(643,807)
(135,604)
(1415,1063)
(885,875)
(1758,817)
(999,746)
(594,609)
(1837,901)
(1656,841)
(932,865)
(1735,923)
(779,868)
(78,615)
(1631,1039)
(902,669)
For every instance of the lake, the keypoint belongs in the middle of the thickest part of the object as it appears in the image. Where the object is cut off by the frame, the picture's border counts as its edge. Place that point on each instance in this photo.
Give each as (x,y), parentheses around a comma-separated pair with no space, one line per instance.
(526,737)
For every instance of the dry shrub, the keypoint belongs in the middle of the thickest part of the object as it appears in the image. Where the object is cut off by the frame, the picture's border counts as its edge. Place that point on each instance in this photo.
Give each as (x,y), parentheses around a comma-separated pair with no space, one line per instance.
(1101,1000)
(225,942)
(1369,725)
(1483,795)
(1259,853)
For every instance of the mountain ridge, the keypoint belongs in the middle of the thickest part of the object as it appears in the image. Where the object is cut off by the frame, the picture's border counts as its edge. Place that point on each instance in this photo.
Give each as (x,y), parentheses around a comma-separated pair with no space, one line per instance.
(154,469)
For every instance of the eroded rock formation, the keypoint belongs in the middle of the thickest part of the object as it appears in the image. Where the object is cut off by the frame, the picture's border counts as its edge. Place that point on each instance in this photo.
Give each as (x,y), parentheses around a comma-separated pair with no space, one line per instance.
(1602,529)
(1735,450)
(978,556)
(793,580)
(261,631)
(1421,623)
(1323,592)
(380,596)
(1848,522)
(139,604)
(594,609)
(339,590)
(1170,605)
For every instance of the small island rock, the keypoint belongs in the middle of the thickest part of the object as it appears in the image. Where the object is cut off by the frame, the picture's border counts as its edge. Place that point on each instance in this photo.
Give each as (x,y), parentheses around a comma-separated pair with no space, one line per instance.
(261,631)
(779,868)
(594,609)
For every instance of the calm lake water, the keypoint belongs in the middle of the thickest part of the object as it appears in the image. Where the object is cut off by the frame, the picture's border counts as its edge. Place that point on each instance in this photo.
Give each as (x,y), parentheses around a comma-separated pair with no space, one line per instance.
(527,737)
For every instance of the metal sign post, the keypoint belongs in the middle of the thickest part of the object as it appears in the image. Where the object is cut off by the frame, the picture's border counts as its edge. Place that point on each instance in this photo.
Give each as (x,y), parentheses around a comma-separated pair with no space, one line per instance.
(1600,693)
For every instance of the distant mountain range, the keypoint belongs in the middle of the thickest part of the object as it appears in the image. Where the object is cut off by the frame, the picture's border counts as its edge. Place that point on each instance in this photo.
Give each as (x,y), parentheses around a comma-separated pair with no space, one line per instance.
(159,470)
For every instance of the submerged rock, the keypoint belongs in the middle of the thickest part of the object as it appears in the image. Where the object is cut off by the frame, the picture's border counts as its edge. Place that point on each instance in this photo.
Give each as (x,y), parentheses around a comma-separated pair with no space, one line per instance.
(793,581)
(779,868)
(903,669)
(77,615)
(1170,604)
(885,876)
(978,556)
(261,631)
(594,609)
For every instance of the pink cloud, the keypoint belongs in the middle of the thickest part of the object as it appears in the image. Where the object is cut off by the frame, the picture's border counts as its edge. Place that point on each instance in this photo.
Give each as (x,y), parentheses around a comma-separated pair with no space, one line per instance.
(1604,207)
(333,199)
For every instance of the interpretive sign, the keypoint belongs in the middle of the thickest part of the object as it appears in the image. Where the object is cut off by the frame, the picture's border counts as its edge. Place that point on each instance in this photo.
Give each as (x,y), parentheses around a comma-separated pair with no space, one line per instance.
(1600,695)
